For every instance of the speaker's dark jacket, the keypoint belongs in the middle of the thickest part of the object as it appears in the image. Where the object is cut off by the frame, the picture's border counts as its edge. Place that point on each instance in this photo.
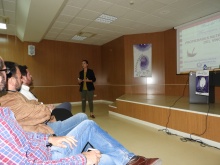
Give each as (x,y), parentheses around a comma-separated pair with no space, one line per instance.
(91,76)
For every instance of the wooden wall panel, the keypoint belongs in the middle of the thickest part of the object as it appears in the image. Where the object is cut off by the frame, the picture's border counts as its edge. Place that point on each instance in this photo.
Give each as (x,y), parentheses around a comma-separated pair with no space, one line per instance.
(113,69)
(152,89)
(164,77)
(113,62)
(174,83)
(111,92)
(143,112)
(118,64)
(58,63)
(217,94)
(69,93)
(55,67)
(157,41)
(177,89)
(196,124)
(11,48)
(183,121)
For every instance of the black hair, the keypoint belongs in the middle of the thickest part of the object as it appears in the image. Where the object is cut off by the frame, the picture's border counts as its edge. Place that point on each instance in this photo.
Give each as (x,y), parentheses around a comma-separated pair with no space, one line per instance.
(23,69)
(85,61)
(1,63)
(12,66)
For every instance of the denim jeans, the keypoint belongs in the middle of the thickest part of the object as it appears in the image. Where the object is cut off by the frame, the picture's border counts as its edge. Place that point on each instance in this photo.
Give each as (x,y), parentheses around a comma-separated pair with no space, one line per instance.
(62,128)
(87,95)
(113,153)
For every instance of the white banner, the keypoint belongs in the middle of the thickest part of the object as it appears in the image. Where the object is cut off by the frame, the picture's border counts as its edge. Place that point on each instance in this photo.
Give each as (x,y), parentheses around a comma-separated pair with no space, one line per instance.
(142,60)
(202,82)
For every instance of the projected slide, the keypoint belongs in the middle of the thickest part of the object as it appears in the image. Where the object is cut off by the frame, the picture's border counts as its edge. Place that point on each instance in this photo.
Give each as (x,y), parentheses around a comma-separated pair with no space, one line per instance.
(199,45)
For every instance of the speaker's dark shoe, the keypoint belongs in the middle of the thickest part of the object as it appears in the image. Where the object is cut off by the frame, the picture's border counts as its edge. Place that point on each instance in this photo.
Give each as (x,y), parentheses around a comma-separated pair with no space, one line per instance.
(92,116)
(140,160)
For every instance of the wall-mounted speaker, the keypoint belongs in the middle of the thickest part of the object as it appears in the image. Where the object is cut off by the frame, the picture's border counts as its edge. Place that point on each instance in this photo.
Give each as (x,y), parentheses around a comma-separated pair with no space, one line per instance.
(31,50)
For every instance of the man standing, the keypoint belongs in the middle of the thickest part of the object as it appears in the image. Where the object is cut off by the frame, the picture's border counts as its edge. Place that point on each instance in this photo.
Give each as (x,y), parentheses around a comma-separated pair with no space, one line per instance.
(86,80)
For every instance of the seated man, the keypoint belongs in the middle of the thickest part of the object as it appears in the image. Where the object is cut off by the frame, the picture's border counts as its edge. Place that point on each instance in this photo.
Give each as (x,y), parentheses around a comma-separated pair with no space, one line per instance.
(20,147)
(61,112)
(32,115)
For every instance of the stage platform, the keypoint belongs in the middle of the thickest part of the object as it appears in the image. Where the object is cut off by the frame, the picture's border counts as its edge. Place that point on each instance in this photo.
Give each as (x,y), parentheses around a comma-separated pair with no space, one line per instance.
(172,112)
(174,102)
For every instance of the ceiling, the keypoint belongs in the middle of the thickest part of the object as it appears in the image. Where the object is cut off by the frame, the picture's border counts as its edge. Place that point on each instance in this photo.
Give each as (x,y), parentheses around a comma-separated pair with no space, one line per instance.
(60,20)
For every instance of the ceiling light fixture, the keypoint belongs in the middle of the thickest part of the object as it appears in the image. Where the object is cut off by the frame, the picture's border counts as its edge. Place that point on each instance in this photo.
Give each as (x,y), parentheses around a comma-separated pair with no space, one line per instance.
(3,22)
(105,18)
(77,37)
(3,26)
(82,35)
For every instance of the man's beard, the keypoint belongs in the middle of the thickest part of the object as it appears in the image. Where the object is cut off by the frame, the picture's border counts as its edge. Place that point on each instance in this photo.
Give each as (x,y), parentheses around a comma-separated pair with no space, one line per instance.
(3,89)
(2,85)
(18,86)
(30,83)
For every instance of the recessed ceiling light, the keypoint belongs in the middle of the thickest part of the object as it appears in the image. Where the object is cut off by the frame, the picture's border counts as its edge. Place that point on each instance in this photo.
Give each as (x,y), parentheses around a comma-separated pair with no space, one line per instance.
(79,38)
(3,22)
(105,18)
(3,26)
(82,35)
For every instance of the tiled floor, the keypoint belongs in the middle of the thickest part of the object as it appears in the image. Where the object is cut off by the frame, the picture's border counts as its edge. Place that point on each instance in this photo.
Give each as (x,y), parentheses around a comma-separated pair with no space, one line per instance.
(149,142)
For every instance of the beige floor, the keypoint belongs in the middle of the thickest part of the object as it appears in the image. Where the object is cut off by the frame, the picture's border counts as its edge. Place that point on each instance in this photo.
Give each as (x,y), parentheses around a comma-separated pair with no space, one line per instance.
(149,142)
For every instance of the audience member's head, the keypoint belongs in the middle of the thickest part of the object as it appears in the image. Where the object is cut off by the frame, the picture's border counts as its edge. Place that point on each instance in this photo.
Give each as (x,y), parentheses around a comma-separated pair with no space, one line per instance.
(14,77)
(3,72)
(1,63)
(23,69)
(26,76)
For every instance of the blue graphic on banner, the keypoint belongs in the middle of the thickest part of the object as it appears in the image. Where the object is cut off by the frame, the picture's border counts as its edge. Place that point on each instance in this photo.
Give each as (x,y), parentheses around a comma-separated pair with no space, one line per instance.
(202,82)
(142,60)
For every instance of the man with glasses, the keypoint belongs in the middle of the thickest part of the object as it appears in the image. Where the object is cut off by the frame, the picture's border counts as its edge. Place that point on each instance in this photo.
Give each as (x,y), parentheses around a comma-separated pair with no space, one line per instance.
(7,71)
(3,71)
(32,115)
(20,147)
